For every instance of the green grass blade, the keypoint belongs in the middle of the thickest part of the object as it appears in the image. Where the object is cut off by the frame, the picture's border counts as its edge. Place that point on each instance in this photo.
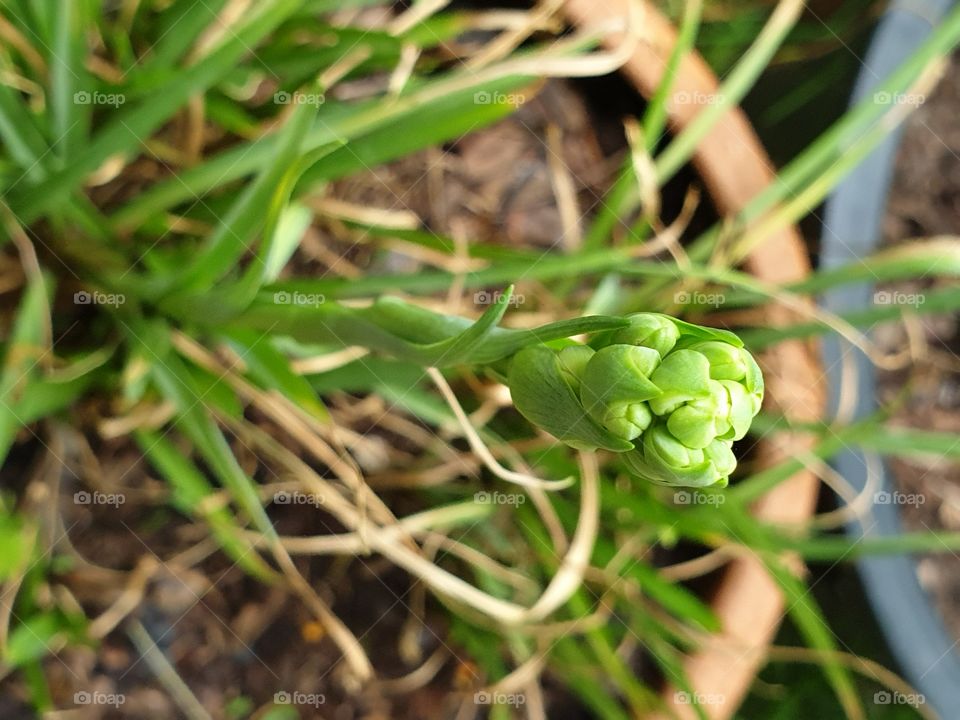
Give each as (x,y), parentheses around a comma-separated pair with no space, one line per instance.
(654,121)
(246,217)
(22,139)
(910,442)
(180,25)
(731,91)
(655,116)
(427,338)
(177,384)
(271,370)
(24,348)
(128,129)
(67,77)
(388,125)
(192,496)
(836,548)
(944,300)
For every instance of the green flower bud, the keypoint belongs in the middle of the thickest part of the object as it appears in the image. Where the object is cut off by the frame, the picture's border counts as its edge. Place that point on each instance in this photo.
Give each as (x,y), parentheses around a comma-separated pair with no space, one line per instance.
(710,391)
(541,389)
(684,375)
(741,407)
(753,382)
(657,332)
(670,395)
(573,360)
(720,454)
(729,362)
(663,459)
(726,361)
(698,422)
(616,384)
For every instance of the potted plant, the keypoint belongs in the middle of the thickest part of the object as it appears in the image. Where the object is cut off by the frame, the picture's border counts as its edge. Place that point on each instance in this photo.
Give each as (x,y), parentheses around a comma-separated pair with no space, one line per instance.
(283,421)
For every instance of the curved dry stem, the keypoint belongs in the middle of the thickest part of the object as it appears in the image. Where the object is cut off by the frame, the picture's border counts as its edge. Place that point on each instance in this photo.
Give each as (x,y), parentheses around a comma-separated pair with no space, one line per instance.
(420,525)
(417,678)
(511,38)
(415,15)
(353,652)
(644,171)
(517,580)
(32,270)
(522,675)
(707,563)
(382,540)
(13,38)
(570,575)
(128,601)
(668,238)
(398,547)
(482,451)
(446,583)
(858,504)
(536,708)
(540,499)
(329,361)
(349,645)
